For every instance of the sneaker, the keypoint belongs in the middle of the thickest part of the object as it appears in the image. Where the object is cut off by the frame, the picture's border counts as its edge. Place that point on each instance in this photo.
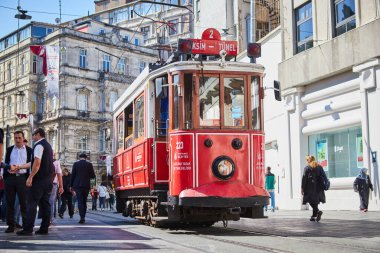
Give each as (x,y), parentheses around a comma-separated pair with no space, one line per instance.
(24,232)
(10,230)
(312,218)
(319,215)
(41,232)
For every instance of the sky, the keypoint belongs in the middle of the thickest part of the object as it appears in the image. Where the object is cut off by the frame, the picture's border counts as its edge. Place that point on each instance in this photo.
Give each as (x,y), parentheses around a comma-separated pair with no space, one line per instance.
(70,10)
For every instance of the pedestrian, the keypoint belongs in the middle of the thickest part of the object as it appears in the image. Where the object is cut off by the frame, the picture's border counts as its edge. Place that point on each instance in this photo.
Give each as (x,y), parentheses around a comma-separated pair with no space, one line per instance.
(2,192)
(2,197)
(270,181)
(15,180)
(112,196)
(82,172)
(362,185)
(94,197)
(40,183)
(57,188)
(66,196)
(102,189)
(313,186)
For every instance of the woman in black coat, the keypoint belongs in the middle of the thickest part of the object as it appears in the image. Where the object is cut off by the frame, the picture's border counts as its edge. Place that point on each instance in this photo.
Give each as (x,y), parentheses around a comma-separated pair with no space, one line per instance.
(362,184)
(313,187)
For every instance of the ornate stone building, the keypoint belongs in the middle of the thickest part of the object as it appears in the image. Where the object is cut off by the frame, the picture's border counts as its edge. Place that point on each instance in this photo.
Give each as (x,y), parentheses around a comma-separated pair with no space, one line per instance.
(96,66)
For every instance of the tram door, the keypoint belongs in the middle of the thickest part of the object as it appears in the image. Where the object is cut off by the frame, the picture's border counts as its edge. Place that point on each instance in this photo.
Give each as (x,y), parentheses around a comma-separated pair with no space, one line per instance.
(161,129)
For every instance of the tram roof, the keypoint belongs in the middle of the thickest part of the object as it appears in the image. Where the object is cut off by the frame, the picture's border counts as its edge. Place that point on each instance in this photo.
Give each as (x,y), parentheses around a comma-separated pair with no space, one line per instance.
(139,83)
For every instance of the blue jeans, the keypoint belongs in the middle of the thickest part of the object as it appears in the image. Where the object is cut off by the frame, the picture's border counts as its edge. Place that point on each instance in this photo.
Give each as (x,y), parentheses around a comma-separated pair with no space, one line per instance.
(17,210)
(53,197)
(272,201)
(102,202)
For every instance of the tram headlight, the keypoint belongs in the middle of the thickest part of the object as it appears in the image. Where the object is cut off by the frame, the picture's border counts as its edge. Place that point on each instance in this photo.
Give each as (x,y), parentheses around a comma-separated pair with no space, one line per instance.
(223,167)
(237,143)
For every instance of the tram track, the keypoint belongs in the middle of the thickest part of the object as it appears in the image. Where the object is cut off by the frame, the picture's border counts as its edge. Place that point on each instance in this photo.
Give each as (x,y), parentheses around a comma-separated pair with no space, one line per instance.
(201,232)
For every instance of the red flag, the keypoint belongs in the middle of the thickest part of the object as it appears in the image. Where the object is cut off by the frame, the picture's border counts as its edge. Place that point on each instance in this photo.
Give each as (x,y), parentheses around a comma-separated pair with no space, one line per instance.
(40,51)
(21,116)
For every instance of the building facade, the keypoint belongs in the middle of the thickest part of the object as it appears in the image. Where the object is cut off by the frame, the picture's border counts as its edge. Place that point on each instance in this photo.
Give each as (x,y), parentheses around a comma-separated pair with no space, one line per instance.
(162,25)
(96,66)
(329,78)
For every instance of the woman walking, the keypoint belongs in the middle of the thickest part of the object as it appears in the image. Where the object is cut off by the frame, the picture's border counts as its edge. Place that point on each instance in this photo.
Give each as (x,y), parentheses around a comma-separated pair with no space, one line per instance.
(362,184)
(313,187)
(102,190)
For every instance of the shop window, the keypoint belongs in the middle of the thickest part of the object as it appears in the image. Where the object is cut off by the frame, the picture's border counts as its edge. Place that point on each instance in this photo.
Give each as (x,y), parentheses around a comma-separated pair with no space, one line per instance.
(340,153)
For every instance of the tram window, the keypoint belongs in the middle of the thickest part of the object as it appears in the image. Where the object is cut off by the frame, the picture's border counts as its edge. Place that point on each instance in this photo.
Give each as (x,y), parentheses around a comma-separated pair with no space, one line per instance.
(234,112)
(120,132)
(209,96)
(255,102)
(175,102)
(162,105)
(128,126)
(139,118)
(188,103)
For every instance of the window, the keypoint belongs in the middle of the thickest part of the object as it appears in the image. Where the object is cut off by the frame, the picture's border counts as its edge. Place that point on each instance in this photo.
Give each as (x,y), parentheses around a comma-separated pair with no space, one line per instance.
(113,98)
(175,102)
(173,27)
(9,71)
(34,66)
(139,118)
(137,41)
(255,103)
(126,38)
(340,153)
(344,16)
(102,138)
(142,66)
(234,102)
(121,66)
(106,63)
(82,143)
(54,103)
(120,131)
(10,104)
(145,31)
(209,97)
(23,104)
(304,27)
(38,31)
(83,58)
(53,139)
(82,102)
(126,66)
(162,105)
(23,65)
(42,105)
(198,10)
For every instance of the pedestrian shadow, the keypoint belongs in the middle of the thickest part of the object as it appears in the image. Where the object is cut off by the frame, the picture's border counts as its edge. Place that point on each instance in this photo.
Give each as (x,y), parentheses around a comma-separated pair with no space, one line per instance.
(74,247)
(296,228)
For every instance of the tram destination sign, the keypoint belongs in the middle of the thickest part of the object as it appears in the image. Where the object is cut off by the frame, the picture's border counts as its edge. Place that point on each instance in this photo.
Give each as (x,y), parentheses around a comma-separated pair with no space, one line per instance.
(213,47)
(211,44)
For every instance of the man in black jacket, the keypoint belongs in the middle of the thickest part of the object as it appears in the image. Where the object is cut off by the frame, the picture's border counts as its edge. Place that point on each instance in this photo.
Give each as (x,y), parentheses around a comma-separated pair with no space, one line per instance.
(15,180)
(66,196)
(40,182)
(82,172)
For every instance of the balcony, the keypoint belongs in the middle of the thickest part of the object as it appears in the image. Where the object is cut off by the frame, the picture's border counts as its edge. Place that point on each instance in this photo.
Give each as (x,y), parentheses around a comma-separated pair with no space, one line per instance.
(83,114)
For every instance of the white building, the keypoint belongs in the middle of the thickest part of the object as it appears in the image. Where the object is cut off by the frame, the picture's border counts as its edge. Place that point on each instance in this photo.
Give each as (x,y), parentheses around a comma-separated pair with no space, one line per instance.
(330,82)
(96,66)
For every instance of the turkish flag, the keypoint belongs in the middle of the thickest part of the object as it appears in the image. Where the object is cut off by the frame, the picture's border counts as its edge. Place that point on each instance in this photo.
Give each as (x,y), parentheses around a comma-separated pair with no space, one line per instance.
(41,52)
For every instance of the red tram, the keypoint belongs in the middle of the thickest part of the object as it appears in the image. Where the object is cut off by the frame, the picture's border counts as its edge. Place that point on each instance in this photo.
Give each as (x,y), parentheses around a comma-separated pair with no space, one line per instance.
(190,142)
